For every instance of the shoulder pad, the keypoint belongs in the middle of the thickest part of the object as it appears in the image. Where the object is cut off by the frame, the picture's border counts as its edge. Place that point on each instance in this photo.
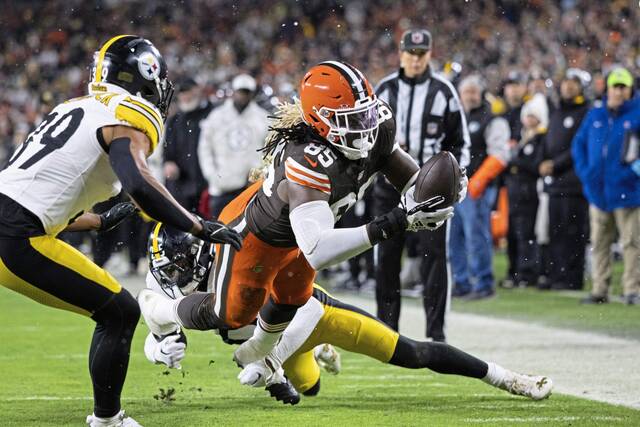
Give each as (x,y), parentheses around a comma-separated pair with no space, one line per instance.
(140,114)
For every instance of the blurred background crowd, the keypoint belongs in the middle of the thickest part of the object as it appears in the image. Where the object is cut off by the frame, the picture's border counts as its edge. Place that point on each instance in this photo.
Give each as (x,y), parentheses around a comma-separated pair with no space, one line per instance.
(233,61)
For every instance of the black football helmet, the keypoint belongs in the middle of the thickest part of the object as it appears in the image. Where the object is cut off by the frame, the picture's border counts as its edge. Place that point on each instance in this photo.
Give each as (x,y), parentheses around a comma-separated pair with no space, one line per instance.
(178,261)
(135,65)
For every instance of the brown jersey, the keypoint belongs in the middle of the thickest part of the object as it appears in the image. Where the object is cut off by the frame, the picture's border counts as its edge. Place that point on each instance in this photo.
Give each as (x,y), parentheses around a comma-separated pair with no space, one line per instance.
(320,166)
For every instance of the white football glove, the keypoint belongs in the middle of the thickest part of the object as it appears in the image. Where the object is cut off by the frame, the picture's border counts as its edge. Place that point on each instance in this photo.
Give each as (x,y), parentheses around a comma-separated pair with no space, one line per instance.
(262,373)
(168,351)
(431,220)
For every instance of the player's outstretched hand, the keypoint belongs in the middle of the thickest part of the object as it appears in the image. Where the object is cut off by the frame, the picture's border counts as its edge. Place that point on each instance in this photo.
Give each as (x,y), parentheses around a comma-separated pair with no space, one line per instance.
(430,220)
(427,215)
(217,232)
(114,216)
(169,350)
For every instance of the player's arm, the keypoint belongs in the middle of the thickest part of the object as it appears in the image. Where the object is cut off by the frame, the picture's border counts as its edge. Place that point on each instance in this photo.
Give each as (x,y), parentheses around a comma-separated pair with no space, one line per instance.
(312,222)
(128,152)
(401,170)
(104,221)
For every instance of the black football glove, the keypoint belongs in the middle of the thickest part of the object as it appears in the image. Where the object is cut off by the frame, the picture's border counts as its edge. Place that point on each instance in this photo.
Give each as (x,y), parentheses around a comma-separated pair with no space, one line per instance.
(217,232)
(114,216)
(388,225)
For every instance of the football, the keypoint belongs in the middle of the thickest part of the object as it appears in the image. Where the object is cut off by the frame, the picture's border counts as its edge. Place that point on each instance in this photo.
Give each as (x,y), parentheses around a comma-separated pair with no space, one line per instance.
(439,176)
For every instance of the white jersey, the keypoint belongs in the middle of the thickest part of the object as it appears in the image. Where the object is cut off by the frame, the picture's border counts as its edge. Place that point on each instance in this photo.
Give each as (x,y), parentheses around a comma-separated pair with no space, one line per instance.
(63,169)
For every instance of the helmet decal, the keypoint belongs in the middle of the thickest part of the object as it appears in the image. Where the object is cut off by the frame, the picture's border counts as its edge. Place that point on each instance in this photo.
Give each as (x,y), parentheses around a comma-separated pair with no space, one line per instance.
(149,66)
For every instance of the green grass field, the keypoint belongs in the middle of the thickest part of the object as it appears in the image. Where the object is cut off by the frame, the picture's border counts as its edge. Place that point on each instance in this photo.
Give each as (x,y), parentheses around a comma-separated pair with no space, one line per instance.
(45,383)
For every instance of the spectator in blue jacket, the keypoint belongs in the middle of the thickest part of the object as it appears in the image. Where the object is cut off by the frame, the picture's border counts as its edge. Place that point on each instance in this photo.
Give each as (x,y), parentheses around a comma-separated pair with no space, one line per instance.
(610,184)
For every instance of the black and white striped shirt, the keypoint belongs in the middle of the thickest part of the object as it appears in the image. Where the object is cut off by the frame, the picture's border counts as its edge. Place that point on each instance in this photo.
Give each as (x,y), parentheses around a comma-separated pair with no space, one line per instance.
(429,116)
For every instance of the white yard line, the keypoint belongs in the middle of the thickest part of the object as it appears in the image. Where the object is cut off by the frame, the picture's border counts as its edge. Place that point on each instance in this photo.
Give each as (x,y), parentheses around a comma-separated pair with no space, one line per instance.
(582,364)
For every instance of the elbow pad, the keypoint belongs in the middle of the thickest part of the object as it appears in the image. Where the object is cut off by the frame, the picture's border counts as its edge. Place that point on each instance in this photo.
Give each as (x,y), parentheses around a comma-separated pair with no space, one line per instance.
(149,198)
(308,222)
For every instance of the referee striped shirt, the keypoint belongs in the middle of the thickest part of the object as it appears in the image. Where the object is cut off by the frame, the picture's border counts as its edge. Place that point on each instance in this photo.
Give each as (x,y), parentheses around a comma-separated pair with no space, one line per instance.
(429,116)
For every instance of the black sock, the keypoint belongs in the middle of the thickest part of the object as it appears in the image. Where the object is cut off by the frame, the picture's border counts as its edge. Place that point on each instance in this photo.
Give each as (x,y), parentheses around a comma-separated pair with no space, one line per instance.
(116,322)
(437,356)
(274,317)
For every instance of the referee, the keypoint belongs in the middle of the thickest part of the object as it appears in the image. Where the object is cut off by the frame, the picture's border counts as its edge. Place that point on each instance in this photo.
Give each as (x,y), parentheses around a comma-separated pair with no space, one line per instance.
(429,119)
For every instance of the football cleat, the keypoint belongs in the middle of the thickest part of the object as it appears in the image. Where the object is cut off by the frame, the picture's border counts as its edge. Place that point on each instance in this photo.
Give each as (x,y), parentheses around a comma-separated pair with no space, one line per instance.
(328,358)
(533,387)
(284,392)
(118,420)
(158,312)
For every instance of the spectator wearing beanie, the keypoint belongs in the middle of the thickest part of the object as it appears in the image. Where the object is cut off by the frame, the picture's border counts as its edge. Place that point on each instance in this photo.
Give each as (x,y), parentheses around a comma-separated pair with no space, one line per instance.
(568,209)
(521,179)
(610,184)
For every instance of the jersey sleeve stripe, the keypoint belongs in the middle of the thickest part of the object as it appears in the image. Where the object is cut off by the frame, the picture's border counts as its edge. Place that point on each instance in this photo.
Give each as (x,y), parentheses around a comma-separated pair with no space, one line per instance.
(139,120)
(147,108)
(299,176)
(151,115)
(305,183)
(320,177)
(302,176)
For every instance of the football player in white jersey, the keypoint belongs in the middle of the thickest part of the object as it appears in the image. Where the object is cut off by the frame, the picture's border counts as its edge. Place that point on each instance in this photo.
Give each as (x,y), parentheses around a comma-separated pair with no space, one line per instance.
(85,151)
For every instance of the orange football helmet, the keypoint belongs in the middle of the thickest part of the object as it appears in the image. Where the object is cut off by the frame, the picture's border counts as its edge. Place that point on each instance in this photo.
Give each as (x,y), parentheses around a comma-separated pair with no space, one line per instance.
(339,104)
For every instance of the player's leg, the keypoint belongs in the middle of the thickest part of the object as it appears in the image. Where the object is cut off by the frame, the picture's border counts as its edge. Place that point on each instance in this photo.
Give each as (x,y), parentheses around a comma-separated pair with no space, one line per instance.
(445,359)
(241,283)
(303,372)
(292,288)
(355,330)
(53,273)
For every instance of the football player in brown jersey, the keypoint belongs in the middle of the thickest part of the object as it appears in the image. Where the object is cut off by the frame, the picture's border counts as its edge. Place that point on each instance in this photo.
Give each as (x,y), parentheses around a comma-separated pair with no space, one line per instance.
(325,150)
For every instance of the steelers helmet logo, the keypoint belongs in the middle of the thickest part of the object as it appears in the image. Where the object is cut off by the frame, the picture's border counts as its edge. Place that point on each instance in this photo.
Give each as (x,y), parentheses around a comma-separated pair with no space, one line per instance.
(417,37)
(149,66)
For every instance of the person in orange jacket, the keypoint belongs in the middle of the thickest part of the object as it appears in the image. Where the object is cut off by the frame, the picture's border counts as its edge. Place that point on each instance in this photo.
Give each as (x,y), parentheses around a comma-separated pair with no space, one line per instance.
(470,240)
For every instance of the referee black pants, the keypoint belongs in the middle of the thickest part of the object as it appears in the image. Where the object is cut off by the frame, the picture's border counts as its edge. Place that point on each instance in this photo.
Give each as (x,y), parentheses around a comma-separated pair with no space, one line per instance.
(432,247)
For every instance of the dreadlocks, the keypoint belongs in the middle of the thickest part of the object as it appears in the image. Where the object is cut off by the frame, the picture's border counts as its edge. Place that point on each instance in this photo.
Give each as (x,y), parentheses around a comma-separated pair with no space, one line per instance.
(287,126)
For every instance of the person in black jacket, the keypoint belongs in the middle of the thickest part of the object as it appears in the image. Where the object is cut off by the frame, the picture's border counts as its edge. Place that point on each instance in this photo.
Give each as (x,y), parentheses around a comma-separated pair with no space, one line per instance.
(568,209)
(521,179)
(181,166)
(514,90)
(429,118)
